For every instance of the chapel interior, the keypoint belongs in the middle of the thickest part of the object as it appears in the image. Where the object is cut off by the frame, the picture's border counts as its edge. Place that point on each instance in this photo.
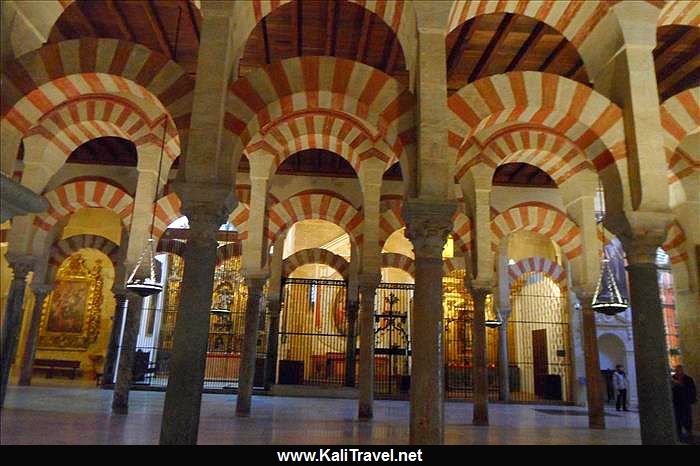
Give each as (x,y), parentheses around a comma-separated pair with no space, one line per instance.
(440,203)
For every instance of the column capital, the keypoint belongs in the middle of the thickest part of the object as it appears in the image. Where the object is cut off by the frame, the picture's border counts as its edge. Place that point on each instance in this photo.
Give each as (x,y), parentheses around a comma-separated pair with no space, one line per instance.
(640,232)
(21,264)
(255,280)
(428,223)
(42,289)
(585,296)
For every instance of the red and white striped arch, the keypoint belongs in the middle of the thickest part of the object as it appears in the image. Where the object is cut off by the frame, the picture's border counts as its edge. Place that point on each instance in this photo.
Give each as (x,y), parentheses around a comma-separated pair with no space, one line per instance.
(68,198)
(399,261)
(239,216)
(680,117)
(337,133)
(574,20)
(315,256)
(681,12)
(39,81)
(675,244)
(461,231)
(284,214)
(542,219)
(538,264)
(589,120)
(543,148)
(308,85)
(62,249)
(168,209)
(452,264)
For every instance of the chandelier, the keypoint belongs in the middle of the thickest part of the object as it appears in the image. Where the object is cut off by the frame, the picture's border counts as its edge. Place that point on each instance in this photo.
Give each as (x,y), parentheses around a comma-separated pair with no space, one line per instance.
(145,278)
(607,298)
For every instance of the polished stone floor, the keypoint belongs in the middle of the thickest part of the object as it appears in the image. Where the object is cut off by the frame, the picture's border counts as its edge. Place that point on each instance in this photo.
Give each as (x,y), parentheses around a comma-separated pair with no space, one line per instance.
(81,415)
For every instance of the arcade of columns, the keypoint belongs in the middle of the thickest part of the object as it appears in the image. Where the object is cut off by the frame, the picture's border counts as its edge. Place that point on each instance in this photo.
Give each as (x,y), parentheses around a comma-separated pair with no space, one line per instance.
(58,96)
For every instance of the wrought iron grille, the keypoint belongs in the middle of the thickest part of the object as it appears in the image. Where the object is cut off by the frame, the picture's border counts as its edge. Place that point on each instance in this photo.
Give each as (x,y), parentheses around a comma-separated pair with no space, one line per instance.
(313,330)
(539,350)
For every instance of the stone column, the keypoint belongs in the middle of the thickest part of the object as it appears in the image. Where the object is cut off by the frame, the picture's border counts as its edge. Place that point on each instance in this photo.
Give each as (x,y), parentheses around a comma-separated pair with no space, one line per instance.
(594,379)
(351,343)
(503,369)
(368,289)
(479,369)
(120,397)
(40,293)
(272,342)
(427,226)
(246,376)
(651,355)
(183,396)
(21,265)
(113,345)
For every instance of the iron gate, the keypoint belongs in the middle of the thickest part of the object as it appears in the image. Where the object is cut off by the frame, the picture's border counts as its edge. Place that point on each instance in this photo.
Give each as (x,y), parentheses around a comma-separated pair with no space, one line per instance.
(458,313)
(539,350)
(392,339)
(313,330)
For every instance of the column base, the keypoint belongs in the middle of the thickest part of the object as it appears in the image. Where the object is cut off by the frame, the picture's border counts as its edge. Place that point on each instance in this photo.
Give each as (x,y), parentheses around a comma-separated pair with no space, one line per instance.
(242,409)
(120,410)
(480,419)
(365,413)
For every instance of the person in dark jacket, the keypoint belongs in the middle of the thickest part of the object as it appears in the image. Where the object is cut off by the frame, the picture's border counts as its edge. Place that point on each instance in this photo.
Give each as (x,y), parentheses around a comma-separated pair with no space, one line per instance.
(684,395)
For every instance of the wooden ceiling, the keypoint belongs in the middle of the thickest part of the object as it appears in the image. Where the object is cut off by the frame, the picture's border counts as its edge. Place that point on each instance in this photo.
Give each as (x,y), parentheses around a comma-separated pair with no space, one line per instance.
(497,43)
(105,151)
(483,46)
(321,27)
(320,162)
(152,23)
(523,175)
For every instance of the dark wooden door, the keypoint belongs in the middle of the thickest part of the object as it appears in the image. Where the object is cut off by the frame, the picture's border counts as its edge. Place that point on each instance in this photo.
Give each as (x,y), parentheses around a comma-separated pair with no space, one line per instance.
(540,361)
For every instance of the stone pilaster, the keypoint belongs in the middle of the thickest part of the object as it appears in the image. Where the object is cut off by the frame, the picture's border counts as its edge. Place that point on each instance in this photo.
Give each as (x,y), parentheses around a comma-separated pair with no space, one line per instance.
(21,265)
(479,369)
(246,376)
(651,354)
(183,397)
(113,345)
(368,289)
(40,293)
(272,342)
(351,343)
(594,379)
(427,225)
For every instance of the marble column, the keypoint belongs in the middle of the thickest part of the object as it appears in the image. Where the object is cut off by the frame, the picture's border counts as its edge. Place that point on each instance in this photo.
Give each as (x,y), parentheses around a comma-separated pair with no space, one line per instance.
(40,293)
(183,397)
(594,379)
(427,225)
(120,397)
(115,333)
(21,265)
(246,376)
(479,369)
(351,344)
(272,342)
(503,370)
(656,419)
(368,289)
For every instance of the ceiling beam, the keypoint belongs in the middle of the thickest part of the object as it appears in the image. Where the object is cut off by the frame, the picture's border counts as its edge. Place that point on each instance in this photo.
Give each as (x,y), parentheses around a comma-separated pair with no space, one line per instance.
(677,61)
(689,80)
(157,27)
(457,51)
(364,32)
(676,37)
(553,55)
(295,30)
(490,51)
(84,20)
(266,42)
(191,18)
(331,19)
(121,21)
(530,43)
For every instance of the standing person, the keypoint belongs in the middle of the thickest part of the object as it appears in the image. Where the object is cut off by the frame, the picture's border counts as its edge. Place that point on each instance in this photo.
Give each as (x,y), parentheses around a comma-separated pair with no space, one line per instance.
(684,395)
(620,384)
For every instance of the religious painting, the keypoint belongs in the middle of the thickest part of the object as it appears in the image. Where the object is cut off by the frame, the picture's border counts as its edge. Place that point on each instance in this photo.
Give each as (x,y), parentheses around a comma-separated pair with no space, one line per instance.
(71,315)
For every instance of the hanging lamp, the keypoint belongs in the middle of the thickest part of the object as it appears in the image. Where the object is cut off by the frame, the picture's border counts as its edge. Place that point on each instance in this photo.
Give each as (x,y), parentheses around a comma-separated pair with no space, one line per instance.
(145,278)
(607,298)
